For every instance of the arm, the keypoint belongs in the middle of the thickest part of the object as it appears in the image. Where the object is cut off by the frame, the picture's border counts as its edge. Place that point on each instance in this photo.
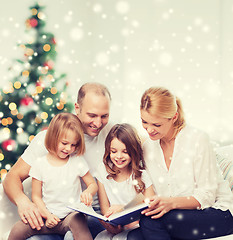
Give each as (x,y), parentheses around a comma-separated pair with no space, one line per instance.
(104,206)
(87,195)
(160,205)
(13,187)
(51,220)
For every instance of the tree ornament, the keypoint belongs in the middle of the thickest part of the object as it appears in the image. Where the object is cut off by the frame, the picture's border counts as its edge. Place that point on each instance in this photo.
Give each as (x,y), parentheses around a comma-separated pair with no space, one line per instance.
(49,64)
(33,22)
(26,101)
(9,145)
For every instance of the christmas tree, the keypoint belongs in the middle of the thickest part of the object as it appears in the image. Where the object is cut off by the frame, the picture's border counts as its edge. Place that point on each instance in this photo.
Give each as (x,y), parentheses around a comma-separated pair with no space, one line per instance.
(34,95)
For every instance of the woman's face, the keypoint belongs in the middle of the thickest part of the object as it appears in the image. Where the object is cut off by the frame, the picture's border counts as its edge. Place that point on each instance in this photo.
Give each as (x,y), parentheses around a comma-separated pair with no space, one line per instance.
(157,128)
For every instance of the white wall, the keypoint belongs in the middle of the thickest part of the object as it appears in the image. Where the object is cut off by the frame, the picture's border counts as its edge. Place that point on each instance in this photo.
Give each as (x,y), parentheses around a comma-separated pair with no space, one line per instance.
(130,45)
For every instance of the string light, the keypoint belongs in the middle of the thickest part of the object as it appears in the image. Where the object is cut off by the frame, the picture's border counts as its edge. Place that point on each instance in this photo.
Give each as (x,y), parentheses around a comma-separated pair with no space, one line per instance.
(17,85)
(34,11)
(25,73)
(31,138)
(44,115)
(46,47)
(1,156)
(53,90)
(12,106)
(49,101)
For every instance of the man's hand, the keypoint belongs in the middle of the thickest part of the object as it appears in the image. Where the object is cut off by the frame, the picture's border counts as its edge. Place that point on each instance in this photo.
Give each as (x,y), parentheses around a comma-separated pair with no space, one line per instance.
(30,214)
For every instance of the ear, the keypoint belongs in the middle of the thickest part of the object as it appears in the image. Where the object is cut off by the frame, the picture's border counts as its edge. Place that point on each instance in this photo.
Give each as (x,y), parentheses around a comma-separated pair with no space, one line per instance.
(175,117)
(77,108)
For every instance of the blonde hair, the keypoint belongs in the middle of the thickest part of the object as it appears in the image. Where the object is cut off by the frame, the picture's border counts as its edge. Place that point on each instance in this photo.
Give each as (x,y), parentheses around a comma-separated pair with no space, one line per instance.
(127,134)
(162,103)
(58,128)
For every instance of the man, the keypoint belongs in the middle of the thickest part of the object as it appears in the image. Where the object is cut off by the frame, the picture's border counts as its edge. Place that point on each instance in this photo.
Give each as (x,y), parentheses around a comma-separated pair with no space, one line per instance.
(92,108)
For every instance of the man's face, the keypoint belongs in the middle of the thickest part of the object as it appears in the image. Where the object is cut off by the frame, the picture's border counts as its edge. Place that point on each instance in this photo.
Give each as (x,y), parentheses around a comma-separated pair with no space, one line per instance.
(93,113)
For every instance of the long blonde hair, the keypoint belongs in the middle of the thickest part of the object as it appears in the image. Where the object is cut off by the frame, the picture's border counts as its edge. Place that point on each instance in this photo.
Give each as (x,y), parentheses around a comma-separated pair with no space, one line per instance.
(162,103)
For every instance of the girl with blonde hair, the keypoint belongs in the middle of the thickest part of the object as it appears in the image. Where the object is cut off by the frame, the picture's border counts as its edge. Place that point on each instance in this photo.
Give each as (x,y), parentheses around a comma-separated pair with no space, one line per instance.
(56,182)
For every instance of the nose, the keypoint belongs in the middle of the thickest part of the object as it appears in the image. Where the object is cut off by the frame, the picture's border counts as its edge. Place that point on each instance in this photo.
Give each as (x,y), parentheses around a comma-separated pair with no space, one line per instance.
(68,147)
(150,129)
(98,122)
(118,155)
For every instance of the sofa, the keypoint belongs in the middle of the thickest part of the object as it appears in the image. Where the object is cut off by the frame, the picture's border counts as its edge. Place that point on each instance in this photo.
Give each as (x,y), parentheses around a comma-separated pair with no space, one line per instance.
(9,215)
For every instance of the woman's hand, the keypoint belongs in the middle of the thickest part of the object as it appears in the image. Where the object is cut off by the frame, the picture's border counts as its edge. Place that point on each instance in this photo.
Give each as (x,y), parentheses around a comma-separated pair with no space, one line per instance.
(111,228)
(52,221)
(114,209)
(86,198)
(158,206)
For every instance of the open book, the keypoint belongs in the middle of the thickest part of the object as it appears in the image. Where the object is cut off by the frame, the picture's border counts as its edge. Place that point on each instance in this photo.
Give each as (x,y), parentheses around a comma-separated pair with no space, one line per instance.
(130,213)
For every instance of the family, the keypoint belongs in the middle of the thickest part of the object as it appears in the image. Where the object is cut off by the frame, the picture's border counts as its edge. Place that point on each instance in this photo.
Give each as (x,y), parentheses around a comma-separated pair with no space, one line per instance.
(84,158)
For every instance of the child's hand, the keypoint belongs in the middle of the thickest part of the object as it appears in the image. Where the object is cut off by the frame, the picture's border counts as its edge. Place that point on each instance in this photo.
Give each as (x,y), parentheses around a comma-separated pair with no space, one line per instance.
(114,209)
(52,221)
(86,198)
(131,225)
(111,228)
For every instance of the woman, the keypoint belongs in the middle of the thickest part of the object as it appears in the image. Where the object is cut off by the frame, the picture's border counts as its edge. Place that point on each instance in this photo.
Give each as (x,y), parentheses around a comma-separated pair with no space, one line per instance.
(192,200)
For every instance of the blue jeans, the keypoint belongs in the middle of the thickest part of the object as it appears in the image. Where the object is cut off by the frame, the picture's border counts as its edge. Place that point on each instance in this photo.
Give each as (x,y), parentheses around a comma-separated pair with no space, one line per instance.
(187,224)
(46,237)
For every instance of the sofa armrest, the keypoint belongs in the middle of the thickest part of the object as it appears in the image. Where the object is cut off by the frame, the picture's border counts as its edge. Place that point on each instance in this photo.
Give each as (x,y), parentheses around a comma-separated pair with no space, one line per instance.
(225,162)
(8,211)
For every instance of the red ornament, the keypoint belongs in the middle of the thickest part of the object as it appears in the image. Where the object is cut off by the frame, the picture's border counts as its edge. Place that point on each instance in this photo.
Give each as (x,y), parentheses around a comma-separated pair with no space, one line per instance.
(9,145)
(40,84)
(53,41)
(33,22)
(26,101)
(49,64)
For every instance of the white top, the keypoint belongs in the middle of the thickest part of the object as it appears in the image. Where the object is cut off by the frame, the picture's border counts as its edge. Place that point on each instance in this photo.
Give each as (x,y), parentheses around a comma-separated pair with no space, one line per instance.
(120,192)
(192,172)
(93,154)
(61,185)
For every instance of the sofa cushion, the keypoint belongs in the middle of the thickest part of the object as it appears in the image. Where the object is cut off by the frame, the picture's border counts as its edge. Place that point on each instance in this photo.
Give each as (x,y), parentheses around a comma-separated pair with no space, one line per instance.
(225,162)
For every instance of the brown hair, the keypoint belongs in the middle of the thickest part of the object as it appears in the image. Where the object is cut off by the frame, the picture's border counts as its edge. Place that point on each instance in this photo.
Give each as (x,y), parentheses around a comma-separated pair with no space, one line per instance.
(97,88)
(127,135)
(59,126)
(162,103)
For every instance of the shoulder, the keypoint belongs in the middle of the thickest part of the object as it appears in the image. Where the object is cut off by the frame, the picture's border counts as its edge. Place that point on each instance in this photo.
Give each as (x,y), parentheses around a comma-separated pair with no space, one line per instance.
(104,132)
(193,133)
(40,137)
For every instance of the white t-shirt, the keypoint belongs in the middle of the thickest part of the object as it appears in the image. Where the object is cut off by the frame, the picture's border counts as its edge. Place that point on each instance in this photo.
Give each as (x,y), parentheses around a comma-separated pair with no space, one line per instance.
(61,184)
(120,192)
(93,154)
(193,170)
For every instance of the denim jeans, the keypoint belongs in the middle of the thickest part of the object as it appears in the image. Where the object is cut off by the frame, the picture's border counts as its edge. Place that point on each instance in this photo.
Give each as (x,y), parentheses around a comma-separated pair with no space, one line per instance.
(188,224)
(46,237)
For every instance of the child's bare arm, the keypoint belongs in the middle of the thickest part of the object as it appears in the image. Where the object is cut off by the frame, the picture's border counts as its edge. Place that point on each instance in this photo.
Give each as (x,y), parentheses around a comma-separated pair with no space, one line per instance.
(87,195)
(37,199)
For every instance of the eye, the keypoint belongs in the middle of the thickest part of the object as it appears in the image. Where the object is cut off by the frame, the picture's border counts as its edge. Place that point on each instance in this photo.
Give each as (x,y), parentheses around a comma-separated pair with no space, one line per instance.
(125,151)
(113,151)
(64,143)
(157,125)
(104,116)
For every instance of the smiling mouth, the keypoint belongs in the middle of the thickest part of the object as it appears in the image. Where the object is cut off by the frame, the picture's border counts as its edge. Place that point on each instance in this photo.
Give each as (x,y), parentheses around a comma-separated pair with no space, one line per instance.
(120,162)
